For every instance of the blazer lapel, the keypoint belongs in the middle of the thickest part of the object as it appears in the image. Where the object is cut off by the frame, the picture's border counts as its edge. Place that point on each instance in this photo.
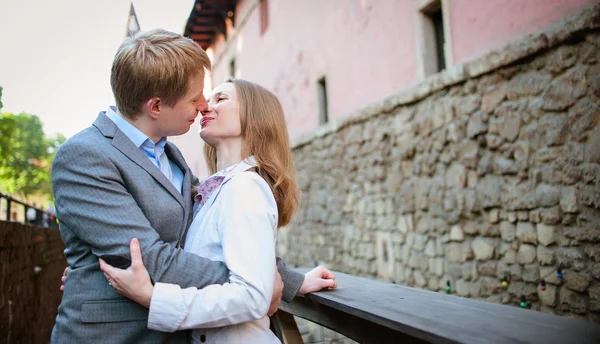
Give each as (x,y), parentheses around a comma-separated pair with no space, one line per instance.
(125,146)
(186,189)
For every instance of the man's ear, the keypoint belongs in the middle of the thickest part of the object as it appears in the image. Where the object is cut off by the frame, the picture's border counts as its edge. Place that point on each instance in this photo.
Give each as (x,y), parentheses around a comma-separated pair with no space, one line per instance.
(152,106)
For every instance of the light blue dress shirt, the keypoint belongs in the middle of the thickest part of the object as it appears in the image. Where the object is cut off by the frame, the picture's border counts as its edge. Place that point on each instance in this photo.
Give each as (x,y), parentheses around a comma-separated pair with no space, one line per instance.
(154,151)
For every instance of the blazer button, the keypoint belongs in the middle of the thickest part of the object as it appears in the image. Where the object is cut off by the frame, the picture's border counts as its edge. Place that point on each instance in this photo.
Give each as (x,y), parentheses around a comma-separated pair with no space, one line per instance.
(203,338)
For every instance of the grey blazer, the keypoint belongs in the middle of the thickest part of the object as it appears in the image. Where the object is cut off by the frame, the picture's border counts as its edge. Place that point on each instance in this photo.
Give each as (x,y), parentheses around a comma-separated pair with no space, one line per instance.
(106,193)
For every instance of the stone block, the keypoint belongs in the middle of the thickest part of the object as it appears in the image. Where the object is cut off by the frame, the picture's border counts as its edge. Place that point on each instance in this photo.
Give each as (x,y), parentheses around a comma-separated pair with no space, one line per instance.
(576,281)
(488,268)
(568,200)
(550,216)
(494,216)
(594,294)
(572,301)
(505,166)
(456,176)
(483,248)
(467,105)
(519,196)
(565,90)
(420,280)
(461,287)
(547,235)
(545,255)
(477,125)
(561,59)
(531,273)
(510,257)
(527,254)
(582,117)
(457,234)
(548,297)
(547,196)
(548,273)
(508,231)
(468,271)
(490,285)
(419,243)
(405,223)
(527,84)
(518,288)
(553,129)
(489,191)
(430,248)
(526,233)
(493,97)
(593,252)
(570,256)
(468,153)
(511,124)
(458,252)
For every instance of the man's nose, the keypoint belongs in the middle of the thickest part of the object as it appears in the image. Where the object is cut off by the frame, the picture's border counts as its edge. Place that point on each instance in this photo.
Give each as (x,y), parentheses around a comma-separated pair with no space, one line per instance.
(202,106)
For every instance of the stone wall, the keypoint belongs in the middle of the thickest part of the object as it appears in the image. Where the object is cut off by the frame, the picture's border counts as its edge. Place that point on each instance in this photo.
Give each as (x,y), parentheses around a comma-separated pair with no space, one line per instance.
(485,172)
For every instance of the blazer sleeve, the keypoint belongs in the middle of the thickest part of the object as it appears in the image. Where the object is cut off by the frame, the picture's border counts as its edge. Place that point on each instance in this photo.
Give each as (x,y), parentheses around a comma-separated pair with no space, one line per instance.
(247,223)
(94,203)
(292,280)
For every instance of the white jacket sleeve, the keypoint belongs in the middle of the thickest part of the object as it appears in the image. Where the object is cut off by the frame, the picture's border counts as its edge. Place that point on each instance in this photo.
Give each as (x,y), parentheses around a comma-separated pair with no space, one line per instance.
(247,223)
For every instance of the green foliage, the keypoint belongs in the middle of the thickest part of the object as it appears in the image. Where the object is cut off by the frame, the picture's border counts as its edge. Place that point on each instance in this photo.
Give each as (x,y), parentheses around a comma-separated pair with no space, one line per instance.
(1,98)
(25,155)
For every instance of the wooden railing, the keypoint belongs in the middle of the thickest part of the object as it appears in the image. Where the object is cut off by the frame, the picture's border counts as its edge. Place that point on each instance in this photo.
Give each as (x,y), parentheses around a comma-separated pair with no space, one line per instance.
(371,311)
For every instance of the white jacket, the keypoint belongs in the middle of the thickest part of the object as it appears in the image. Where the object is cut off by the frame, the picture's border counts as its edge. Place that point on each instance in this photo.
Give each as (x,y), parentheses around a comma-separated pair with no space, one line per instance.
(237,225)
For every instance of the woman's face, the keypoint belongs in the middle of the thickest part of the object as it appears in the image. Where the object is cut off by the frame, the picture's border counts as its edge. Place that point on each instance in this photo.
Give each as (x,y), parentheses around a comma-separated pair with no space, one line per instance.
(221,121)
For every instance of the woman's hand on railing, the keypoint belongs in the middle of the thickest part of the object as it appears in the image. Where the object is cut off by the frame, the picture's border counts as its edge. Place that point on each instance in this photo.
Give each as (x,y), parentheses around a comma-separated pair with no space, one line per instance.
(317,279)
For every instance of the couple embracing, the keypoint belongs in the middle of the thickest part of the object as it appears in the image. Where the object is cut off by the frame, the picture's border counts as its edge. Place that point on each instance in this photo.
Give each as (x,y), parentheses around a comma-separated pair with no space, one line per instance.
(198,255)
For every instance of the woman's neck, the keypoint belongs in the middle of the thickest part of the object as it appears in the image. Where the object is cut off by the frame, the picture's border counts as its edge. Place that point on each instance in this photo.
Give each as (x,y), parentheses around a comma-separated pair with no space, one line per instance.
(229,154)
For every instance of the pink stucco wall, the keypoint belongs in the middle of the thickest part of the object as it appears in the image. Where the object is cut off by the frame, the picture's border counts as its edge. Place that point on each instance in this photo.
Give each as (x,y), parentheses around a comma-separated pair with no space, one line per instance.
(480,26)
(366,50)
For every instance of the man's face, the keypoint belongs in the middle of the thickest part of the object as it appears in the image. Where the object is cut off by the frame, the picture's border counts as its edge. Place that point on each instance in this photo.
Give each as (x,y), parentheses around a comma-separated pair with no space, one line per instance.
(177,120)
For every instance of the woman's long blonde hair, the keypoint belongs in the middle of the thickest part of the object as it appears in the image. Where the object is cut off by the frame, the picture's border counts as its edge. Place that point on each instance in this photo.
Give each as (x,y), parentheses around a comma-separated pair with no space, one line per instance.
(265,135)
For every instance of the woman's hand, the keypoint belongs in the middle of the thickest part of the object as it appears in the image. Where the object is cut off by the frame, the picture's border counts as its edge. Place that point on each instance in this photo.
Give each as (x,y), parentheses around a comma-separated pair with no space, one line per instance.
(317,279)
(63,279)
(134,282)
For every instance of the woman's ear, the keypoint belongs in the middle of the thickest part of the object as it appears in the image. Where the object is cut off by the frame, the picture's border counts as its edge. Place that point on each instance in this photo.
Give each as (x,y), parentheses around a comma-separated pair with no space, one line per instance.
(153,107)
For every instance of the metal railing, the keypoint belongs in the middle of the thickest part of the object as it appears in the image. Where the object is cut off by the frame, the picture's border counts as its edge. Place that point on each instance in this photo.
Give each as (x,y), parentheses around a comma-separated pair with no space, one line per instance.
(42,218)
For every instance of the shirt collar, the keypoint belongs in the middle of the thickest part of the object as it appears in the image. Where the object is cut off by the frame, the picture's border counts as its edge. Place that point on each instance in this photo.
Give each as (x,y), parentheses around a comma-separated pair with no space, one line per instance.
(134,134)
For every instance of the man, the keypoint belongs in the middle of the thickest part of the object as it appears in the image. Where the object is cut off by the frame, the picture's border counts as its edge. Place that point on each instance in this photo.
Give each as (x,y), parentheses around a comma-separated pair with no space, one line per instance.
(121,179)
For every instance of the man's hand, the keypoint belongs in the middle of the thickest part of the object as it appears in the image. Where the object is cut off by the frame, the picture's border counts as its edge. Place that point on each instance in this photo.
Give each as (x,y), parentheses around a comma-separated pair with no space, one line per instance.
(277,294)
(63,279)
(317,279)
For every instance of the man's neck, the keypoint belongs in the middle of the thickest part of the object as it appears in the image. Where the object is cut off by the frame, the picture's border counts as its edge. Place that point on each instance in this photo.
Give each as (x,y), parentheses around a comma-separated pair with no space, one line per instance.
(142,124)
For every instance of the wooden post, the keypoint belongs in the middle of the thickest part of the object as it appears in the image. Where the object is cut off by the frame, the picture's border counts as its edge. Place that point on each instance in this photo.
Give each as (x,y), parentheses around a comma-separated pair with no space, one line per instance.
(285,328)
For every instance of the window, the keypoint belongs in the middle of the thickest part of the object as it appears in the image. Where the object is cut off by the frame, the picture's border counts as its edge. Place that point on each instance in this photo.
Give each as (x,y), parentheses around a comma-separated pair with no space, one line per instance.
(432,36)
(264,16)
(322,89)
(438,29)
(232,67)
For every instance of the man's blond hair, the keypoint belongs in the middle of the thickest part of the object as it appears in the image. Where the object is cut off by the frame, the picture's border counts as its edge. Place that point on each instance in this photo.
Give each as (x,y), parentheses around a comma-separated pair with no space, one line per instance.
(155,63)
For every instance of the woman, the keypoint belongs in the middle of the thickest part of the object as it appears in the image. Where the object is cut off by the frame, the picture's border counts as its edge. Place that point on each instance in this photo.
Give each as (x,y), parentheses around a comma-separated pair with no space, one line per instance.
(238,211)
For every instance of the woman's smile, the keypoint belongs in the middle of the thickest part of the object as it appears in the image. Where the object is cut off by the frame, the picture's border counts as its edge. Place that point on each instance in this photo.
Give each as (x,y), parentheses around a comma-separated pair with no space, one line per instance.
(205,120)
